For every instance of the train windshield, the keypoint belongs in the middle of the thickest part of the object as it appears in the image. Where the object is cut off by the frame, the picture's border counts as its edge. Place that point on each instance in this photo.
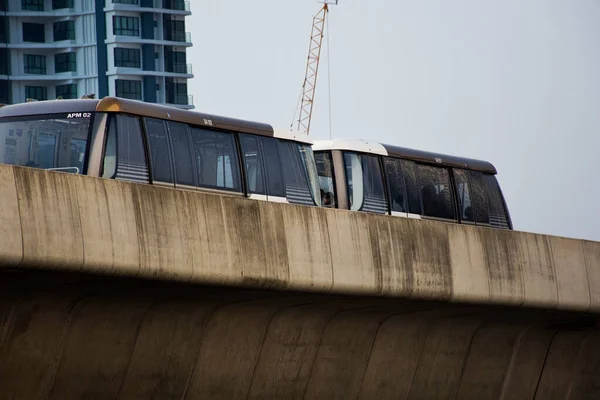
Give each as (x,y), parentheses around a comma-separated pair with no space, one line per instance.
(53,141)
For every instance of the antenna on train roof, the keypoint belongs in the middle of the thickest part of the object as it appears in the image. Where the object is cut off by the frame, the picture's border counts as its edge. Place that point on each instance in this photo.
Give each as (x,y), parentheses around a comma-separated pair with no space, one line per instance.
(30,100)
(59,98)
(89,96)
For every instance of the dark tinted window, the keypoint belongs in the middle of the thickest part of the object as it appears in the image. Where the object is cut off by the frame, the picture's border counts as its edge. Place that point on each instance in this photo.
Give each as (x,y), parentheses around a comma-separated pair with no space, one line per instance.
(36,92)
(128,89)
(182,154)
(326,178)
(479,199)
(497,212)
(131,165)
(68,91)
(159,150)
(64,30)
(34,64)
(127,58)
(127,26)
(397,188)
(365,184)
(274,171)
(33,32)
(216,159)
(466,207)
(297,185)
(253,164)
(32,5)
(124,155)
(436,192)
(412,187)
(58,4)
(65,62)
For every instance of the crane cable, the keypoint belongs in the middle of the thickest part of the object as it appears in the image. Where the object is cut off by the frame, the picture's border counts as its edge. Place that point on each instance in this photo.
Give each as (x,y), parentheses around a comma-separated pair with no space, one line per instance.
(328,73)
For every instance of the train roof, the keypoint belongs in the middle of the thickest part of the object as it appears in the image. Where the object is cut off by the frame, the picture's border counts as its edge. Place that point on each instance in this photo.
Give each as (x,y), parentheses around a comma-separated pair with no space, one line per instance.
(115,104)
(365,146)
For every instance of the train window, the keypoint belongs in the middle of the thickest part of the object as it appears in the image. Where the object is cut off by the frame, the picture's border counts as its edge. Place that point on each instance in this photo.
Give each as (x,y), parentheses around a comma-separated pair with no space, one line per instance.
(275,185)
(301,179)
(182,154)
(482,215)
(463,193)
(253,163)
(412,188)
(124,155)
(397,188)
(159,150)
(109,168)
(365,184)
(436,192)
(497,212)
(326,179)
(216,159)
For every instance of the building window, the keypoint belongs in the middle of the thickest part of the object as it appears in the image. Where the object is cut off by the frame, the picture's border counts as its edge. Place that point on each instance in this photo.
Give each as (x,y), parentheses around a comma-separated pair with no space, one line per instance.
(33,32)
(65,62)
(127,58)
(67,91)
(35,64)
(126,26)
(58,4)
(128,89)
(36,92)
(32,5)
(64,30)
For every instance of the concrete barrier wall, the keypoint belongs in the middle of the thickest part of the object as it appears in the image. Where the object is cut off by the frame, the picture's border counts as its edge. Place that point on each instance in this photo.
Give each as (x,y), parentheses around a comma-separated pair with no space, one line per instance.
(112,338)
(52,220)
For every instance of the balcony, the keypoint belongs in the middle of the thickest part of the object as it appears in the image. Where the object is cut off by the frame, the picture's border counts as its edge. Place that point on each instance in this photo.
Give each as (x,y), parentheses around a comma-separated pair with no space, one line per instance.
(178,36)
(180,68)
(178,5)
(181,100)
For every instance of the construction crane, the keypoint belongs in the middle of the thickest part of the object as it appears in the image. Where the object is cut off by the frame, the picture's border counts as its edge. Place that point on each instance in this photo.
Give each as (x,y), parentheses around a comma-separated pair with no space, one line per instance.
(312,67)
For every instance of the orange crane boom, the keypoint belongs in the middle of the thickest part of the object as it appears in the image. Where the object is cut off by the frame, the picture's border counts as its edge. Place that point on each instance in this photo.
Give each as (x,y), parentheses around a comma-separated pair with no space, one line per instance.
(312,68)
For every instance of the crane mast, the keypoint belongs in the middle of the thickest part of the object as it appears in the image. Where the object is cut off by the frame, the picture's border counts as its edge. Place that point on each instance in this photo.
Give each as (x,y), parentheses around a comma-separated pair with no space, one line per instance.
(312,67)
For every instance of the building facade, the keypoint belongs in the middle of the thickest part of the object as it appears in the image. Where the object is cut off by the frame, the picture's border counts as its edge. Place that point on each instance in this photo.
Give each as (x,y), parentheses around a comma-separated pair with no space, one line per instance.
(134,49)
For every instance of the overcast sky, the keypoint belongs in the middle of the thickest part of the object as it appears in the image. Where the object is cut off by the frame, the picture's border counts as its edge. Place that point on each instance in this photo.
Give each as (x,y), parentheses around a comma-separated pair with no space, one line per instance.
(513,82)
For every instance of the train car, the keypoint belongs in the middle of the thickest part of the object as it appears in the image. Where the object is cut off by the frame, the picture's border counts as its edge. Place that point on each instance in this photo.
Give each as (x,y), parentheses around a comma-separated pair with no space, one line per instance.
(361,175)
(153,144)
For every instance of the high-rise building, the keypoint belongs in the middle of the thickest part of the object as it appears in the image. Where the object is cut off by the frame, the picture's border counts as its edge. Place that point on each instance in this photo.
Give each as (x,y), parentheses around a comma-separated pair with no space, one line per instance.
(127,48)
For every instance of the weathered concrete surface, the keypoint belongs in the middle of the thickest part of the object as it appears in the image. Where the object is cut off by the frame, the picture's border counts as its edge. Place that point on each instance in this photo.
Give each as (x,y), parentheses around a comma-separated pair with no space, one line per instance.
(55,221)
(71,336)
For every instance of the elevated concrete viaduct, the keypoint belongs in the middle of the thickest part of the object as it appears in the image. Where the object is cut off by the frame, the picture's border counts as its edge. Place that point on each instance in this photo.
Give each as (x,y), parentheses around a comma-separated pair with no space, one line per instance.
(122,291)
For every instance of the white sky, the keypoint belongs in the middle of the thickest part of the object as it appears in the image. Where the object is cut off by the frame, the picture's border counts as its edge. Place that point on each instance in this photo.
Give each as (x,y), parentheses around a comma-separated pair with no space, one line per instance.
(513,82)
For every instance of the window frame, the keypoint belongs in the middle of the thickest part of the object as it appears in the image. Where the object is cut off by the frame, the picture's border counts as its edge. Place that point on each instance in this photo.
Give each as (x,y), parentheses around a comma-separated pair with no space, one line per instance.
(28,27)
(69,30)
(388,186)
(451,185)
(27,68)
(69,62)
(129,82)
(261,160)
(136,63)
(43,91)
(133,31)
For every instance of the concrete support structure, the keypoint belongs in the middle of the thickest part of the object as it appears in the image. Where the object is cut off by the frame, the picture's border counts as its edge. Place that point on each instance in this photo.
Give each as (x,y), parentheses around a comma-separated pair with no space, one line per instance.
(117,290)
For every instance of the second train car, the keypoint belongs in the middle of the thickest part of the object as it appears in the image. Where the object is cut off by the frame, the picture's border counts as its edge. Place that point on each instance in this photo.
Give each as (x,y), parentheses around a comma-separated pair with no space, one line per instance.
(368,176)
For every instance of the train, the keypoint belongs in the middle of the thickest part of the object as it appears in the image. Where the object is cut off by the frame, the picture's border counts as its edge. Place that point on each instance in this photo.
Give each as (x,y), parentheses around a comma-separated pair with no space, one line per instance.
(146,143)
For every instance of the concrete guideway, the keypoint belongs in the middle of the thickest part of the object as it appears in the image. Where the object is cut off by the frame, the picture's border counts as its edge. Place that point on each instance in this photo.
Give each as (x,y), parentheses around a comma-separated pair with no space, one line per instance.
(65,336)
(56,221)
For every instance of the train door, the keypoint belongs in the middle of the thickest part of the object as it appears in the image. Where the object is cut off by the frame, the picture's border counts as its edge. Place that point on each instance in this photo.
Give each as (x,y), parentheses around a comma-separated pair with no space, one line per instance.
(262,163)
